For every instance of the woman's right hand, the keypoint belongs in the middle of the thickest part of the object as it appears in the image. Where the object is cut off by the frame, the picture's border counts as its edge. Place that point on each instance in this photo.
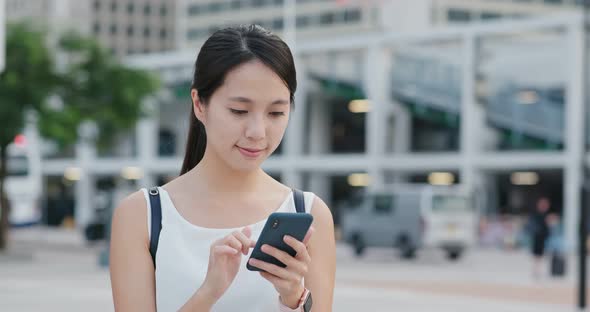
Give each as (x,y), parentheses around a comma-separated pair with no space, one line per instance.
(225,257)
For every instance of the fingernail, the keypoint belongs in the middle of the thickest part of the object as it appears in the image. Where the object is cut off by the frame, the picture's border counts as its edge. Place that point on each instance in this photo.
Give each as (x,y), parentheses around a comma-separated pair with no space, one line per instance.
(287,237)
(264,248)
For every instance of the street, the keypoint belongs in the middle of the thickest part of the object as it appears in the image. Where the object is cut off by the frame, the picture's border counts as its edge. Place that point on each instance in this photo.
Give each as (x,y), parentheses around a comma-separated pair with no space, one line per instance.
(55,271)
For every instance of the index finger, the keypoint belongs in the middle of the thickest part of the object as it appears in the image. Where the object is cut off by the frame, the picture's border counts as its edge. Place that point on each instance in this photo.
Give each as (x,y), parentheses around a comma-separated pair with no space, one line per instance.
(247,243)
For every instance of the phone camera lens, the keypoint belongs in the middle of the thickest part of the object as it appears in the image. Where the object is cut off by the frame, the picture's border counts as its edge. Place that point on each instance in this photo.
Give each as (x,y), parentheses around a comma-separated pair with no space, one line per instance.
(275,224)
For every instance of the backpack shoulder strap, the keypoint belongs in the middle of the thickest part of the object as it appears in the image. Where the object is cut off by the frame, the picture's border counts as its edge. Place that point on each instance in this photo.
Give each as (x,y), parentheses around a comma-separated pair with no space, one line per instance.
(156,224)
(299,201)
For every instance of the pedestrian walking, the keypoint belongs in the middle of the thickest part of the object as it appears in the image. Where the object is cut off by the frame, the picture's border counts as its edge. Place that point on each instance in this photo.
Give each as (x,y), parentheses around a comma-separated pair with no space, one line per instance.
(539,231)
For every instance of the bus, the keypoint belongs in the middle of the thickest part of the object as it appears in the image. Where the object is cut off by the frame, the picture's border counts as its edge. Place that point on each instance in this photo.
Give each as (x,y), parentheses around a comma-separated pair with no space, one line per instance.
(23,185)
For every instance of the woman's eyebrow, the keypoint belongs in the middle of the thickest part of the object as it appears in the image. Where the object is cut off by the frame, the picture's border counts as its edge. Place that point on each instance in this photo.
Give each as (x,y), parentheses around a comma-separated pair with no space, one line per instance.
(246,100)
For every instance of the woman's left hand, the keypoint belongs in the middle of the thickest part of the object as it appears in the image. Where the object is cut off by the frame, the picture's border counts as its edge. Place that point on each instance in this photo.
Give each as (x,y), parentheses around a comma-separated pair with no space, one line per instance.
(287,281)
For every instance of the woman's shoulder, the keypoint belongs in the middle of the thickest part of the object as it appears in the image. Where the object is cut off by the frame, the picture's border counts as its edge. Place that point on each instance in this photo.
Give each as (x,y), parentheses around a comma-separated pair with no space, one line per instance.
(131,213)
(321,212)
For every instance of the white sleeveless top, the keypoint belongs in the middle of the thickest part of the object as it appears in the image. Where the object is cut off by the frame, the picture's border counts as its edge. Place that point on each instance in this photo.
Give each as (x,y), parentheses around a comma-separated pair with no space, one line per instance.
(183,257)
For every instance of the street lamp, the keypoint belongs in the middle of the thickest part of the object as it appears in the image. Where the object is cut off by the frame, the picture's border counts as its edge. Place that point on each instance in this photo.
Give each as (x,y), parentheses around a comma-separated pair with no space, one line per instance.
(2,35)
(585,184)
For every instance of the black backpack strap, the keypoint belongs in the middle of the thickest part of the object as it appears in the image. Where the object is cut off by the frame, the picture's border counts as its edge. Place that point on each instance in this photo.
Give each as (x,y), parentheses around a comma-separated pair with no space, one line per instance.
(299,201)
(156,226)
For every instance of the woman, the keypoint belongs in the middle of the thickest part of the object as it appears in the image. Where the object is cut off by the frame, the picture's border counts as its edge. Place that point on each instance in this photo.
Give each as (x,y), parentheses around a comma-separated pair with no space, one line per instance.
(242,95)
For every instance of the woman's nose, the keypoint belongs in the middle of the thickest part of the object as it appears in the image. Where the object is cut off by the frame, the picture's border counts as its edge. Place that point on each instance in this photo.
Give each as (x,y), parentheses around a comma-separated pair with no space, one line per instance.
(256,129)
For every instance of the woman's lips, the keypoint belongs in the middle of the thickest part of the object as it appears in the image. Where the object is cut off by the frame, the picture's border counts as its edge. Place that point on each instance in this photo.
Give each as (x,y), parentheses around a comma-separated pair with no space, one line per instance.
(251,153)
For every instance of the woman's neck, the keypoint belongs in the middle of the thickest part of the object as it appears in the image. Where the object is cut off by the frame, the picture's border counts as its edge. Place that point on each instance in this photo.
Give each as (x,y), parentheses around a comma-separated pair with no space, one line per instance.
(212,175)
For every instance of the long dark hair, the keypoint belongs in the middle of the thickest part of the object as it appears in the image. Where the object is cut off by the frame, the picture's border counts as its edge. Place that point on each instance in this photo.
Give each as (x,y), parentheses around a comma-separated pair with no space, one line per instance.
(222,52)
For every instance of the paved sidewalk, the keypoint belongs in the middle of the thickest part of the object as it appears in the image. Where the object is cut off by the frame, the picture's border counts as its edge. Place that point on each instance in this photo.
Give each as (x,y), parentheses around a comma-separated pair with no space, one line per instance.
(62,274)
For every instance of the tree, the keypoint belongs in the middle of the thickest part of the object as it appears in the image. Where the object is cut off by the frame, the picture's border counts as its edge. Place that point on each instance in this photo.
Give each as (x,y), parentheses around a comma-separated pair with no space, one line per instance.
(90,86)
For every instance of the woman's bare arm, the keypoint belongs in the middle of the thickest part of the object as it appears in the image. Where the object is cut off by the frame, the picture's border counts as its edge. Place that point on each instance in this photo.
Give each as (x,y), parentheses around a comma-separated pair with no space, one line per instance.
(132,270)
(322,249)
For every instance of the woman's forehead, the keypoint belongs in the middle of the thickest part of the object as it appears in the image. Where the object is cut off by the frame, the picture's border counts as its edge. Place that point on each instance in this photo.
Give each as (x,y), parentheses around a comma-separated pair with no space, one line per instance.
(254,79)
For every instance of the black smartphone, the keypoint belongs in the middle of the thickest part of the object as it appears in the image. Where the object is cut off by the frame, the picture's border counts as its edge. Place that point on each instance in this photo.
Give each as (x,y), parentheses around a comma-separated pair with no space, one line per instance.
(277,226)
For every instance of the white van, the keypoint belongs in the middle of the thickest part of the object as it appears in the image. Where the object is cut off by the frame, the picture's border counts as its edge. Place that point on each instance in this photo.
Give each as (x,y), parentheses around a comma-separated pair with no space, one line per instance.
(410,217)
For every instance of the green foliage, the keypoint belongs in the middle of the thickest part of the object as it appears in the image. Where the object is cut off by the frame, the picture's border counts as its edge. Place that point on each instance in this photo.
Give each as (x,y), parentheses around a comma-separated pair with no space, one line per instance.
(90,86)
(27,78)
(94,87)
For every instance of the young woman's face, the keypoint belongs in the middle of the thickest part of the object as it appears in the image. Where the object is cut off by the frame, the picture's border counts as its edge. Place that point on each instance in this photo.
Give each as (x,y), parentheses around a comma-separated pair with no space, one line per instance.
(246,116)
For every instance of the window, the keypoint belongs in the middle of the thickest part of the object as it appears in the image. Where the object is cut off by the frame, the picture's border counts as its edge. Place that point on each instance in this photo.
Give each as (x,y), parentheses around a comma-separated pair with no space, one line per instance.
(163,33)
(191,33)
(213,29)
(113,29)
(258,3)
(225,6)
(147,9)
(163,10)
(302,21)
(17,166)
(113,6)
(277,24)
(130,8)
(490,15)
(383,203)
(96,28)
(352,15)
(147,32)
(556,95)
(214,7)
(96,5)
(236,4)
(130,30)
(327,18)
(455,15)
(451,204)
(194,9)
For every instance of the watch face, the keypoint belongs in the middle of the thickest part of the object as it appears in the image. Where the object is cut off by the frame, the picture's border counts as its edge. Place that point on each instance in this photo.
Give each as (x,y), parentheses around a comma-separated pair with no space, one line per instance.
(307,304)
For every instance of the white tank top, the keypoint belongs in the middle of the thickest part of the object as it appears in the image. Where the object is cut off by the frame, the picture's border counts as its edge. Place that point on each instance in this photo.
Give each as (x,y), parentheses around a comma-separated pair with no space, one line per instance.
(183,257)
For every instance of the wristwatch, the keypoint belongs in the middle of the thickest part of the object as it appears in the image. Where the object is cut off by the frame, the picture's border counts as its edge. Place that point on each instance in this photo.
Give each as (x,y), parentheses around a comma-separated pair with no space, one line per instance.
(305,303)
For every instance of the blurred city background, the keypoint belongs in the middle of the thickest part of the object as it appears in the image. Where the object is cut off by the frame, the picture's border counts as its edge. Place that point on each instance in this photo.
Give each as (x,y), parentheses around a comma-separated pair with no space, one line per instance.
(437,131)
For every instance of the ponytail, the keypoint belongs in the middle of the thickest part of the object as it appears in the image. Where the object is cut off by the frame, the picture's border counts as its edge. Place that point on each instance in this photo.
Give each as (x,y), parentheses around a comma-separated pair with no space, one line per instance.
(195,144)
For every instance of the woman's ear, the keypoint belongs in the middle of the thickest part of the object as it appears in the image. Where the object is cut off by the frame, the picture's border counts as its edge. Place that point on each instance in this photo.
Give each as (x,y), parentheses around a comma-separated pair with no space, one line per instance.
(198,107)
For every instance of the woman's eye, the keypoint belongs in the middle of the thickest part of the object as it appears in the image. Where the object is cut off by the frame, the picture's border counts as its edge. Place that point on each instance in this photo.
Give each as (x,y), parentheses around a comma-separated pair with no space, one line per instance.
(237,111)
(277,113)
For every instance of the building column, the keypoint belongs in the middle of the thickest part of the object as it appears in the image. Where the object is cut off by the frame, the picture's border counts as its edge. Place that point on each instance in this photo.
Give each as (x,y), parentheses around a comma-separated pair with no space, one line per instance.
(401,138)
(84,188)
(293,148)
(320,120)
(469,127)
(375,79)
(147,141)
(402,129)
(319,184)
(574,135)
